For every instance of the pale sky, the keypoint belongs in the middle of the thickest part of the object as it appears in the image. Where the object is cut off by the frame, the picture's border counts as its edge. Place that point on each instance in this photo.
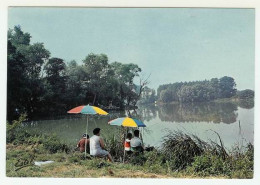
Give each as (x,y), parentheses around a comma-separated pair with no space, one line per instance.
(173,44)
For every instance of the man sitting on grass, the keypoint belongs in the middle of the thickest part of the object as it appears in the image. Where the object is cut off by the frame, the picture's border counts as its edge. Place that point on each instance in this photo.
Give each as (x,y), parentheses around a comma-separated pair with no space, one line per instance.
(97,145)
(136,143)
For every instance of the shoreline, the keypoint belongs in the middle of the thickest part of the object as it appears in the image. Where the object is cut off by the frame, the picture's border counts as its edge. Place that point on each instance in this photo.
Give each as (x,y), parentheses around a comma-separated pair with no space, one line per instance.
(221,100)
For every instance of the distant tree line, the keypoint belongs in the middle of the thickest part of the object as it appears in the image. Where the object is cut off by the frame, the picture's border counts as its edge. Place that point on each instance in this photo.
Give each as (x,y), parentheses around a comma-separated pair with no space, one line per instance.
(39,84)
(198,91)
(148,96)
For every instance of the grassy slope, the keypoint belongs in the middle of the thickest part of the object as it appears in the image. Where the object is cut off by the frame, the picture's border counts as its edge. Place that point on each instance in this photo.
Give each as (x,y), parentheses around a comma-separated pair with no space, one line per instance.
(68,165)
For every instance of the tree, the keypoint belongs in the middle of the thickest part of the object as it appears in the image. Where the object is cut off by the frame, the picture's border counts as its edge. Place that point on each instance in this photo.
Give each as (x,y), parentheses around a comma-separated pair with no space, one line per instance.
(18,37)
(198,91)
(16,80)
(97,69)
(147,96)
(125,74)
(143,83)
(166,96)
(246,94)
(28,60)
(227,87)
(55,80)
(76,84)
(40,85)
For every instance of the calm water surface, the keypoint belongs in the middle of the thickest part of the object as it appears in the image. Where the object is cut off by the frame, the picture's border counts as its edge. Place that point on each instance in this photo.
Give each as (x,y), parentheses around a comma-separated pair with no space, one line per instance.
(233,122)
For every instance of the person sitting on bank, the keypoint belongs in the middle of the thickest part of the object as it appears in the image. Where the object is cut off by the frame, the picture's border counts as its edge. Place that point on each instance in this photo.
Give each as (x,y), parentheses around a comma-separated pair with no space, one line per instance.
(136,143)
(81,144)
(97,146)
(127,143)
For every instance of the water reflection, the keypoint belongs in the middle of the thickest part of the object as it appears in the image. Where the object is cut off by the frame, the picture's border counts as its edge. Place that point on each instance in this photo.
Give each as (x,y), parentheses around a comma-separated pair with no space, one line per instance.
(224,112)
(203,112)
(194,118)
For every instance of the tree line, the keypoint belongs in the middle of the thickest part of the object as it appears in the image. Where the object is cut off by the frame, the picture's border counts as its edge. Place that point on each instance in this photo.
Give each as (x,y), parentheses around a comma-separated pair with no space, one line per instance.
(38,84)
(201,91)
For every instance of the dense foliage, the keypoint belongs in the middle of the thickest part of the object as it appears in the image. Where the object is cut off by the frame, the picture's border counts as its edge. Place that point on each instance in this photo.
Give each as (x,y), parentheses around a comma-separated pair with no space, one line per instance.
(246,94)
(197,91)
(41,85)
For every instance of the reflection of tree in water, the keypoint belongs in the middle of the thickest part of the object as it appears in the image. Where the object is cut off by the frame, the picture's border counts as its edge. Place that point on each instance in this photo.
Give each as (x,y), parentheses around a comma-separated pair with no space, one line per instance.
(146,113)
(246,103)
(199,112)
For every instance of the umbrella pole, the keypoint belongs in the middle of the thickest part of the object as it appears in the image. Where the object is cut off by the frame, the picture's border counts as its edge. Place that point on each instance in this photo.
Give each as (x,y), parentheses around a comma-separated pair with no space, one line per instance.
(86,139)
(141,135)
(124,146)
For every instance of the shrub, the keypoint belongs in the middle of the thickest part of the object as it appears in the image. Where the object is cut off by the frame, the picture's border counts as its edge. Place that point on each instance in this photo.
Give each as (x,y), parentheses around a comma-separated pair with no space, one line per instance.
(180,149)
(115,147)
(53,144)
(208,164)
(138,159)
(13,127)
(155,162)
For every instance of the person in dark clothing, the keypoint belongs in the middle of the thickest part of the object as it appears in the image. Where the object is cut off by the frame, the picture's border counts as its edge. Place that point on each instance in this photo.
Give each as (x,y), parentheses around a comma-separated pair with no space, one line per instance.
(81,144)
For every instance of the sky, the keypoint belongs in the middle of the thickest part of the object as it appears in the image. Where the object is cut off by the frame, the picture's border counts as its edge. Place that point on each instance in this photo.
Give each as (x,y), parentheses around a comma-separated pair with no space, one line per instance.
(171,44)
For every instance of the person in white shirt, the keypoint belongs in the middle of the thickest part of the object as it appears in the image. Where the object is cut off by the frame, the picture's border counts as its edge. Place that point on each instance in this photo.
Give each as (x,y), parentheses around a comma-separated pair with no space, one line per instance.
(136,143)
(97,146)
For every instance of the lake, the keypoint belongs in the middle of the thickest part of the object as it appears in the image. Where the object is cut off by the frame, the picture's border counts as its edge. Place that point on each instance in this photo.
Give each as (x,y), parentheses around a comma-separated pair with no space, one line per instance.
(234,122)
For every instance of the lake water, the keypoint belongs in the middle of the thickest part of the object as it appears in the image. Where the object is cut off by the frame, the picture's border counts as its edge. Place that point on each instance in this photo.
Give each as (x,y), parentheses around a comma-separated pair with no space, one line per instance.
(233,122)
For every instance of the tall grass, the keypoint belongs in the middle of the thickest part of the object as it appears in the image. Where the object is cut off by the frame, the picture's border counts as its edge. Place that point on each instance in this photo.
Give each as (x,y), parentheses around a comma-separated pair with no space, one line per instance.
(193,155)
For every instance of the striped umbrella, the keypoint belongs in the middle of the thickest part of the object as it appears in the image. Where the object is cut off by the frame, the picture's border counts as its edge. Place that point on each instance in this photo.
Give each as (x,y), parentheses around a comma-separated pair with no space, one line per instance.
(127,122)
(87,109)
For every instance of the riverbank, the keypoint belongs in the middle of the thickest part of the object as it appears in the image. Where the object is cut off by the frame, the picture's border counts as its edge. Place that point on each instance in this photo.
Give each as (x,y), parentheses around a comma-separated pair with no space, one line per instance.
(181,156)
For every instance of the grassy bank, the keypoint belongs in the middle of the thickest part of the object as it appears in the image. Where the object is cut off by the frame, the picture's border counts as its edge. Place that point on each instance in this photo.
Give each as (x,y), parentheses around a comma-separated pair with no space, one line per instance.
(74,165)
(181,156)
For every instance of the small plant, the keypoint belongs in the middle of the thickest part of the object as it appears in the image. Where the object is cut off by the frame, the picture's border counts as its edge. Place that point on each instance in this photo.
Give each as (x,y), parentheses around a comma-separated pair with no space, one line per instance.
(115,147)
(12,128)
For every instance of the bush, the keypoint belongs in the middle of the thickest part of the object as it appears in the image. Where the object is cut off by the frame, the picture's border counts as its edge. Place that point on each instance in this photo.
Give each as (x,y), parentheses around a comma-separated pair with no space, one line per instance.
(53,144)
(12,128)
(208,164)
(115,147)
(138,159)
(156,162)
(180,149)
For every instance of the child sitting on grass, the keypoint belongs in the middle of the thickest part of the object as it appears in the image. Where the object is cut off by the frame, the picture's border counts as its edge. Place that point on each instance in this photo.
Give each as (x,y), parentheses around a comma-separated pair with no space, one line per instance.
(127,143)
(83,142)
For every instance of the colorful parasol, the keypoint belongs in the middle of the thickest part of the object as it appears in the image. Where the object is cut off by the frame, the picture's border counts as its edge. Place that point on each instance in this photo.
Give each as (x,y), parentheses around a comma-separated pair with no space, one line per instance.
(87,109)
(127,122)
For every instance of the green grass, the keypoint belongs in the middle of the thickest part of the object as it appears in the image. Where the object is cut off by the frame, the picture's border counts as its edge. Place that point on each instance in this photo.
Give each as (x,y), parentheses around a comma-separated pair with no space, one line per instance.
(181,156)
